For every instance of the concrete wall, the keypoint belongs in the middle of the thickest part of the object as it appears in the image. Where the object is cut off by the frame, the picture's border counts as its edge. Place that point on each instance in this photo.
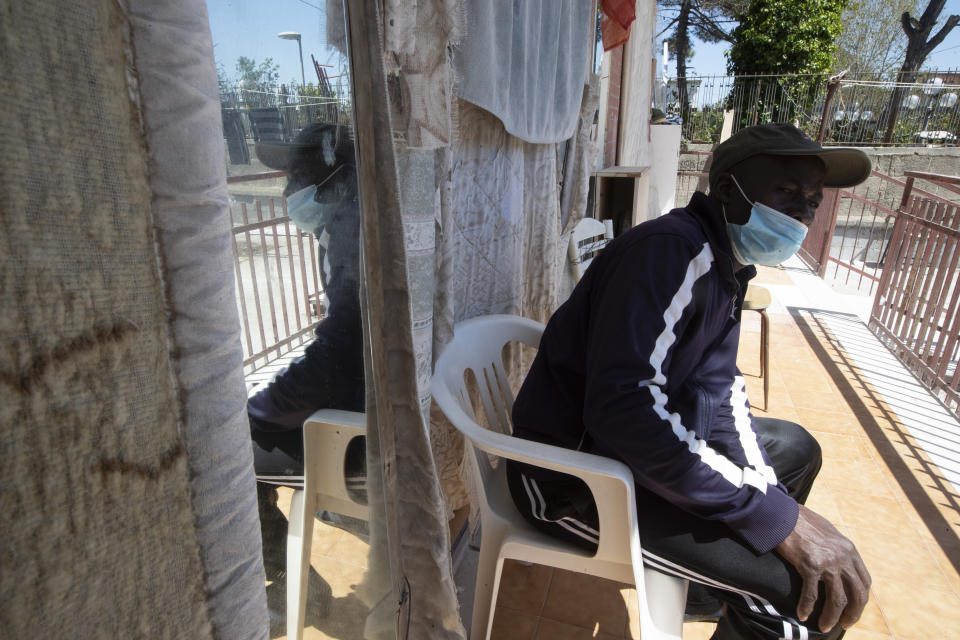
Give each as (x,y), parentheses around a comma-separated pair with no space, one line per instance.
(665,148)
(892,161)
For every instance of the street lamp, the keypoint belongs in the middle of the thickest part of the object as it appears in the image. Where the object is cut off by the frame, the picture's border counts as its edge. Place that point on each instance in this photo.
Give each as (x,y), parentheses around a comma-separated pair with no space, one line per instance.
(293,35)
(910,102)
(934,86)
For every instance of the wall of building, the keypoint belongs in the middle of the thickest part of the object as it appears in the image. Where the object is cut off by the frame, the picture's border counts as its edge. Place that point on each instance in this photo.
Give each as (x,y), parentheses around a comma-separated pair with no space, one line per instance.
(627,76)
(611,74)
(636,91)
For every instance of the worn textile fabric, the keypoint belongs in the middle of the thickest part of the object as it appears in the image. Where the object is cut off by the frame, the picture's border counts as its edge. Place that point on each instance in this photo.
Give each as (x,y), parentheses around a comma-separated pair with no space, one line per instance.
(506,227)
(417,38)
(501,247)
(411,535)
(418,202)
(579,159)
(443,311)
(421,211)
(580,154)
(100,534)
(526,62)
(446,441)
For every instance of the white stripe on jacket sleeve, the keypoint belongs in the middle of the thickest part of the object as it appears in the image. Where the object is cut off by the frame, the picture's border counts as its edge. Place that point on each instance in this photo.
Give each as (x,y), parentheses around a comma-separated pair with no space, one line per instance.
(734,474)
(748,438)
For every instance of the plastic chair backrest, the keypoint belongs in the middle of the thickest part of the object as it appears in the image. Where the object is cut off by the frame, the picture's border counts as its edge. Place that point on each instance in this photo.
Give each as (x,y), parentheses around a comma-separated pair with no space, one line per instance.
(326,436)
(478,347)
(587,239)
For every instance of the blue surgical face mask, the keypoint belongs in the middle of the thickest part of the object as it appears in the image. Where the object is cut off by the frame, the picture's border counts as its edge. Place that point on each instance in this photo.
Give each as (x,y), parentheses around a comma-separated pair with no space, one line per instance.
(769,237)
(308,214)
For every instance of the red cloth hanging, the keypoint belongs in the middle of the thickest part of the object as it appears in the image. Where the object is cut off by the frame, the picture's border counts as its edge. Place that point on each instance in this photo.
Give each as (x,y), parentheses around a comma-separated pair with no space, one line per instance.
(615,24)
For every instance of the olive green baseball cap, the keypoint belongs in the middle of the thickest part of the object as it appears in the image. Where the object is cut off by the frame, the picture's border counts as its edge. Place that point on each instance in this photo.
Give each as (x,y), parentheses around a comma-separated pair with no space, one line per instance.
(846,167)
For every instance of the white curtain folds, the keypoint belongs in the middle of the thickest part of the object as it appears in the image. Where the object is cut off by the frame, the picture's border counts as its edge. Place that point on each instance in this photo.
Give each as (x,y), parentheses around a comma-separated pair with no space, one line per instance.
(526,62)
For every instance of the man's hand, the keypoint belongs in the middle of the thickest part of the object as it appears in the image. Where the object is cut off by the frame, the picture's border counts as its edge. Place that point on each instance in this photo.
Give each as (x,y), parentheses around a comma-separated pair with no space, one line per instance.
(820,553)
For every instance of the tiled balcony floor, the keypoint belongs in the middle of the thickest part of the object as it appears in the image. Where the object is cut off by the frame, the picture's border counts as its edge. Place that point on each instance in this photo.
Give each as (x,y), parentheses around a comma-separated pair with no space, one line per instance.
(336,610)
(878,484)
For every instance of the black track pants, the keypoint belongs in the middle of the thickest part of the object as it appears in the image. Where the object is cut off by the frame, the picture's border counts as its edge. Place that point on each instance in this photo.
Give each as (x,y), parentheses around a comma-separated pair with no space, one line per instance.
(760,591)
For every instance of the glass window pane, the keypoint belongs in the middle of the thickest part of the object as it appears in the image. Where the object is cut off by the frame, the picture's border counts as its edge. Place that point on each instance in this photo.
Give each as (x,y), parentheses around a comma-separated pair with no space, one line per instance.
(285,102)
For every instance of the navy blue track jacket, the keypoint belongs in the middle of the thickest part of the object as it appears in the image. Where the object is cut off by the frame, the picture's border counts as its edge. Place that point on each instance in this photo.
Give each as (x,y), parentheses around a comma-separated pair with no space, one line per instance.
(640,365)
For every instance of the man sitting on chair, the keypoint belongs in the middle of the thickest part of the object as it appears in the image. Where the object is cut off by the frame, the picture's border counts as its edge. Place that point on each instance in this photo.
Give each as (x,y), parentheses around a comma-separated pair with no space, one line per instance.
(640,365)
(321,194)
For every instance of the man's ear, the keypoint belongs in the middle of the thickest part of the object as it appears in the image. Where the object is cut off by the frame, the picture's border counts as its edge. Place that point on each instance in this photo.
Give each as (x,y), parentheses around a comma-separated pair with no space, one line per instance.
(722,188)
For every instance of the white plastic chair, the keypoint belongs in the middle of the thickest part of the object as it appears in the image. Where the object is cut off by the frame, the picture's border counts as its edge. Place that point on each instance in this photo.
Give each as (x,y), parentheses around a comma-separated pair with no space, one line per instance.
(588,237)
(478,345)
(326,435)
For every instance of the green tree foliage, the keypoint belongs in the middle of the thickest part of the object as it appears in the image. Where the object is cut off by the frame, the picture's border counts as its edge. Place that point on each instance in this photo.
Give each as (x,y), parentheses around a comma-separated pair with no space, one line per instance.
(257,76)
(705,19)
(786,36)
(222,81)
(782,37)
(872,40)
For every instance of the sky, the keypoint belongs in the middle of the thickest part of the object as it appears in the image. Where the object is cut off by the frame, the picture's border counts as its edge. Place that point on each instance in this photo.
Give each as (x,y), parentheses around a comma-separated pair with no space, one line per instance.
(250,27)
(708,59)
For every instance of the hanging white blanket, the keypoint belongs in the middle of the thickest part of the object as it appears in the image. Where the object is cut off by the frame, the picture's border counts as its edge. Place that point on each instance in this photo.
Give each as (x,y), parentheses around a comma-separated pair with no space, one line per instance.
(526,62)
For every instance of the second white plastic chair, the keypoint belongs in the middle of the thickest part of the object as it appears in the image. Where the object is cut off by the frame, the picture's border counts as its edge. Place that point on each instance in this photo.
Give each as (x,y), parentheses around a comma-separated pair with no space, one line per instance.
(478,346)
(326,436)
(589,236)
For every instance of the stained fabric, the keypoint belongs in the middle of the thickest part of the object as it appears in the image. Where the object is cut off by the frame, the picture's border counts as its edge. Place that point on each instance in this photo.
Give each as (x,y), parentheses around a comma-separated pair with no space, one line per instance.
(507,219)
(508,229)
(417,37)
(409,540)
(526,61)
(113,510)
(476,215)
(579,157)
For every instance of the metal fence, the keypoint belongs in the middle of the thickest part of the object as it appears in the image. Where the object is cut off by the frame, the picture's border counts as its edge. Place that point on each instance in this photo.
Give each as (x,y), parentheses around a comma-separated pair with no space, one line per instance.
(279,293)
(334,90)
(929,110)
(915,309)
(849,237)
(277,114)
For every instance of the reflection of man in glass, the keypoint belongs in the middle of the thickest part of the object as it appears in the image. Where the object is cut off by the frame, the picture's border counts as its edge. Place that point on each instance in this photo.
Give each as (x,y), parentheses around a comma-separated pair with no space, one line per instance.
(321,195)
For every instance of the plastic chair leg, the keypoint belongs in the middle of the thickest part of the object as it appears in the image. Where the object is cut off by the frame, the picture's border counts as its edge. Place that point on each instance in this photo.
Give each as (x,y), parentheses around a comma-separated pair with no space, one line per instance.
(489,568)
(662,613)
(765,355)
(299,541)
